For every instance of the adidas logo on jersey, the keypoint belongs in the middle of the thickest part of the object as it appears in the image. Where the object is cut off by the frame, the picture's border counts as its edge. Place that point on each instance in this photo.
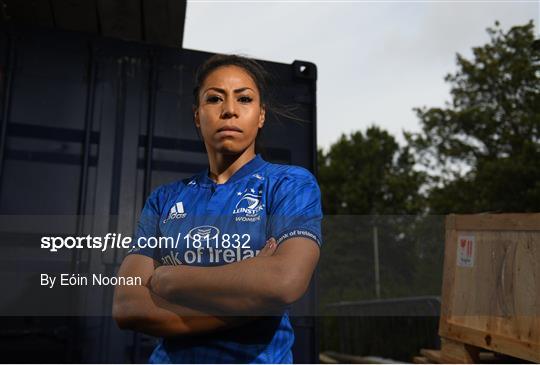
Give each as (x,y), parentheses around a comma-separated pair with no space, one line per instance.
(176,212)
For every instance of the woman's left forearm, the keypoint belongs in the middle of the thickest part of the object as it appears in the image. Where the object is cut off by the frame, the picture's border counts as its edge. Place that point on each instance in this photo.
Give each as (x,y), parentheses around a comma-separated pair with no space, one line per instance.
(261,285)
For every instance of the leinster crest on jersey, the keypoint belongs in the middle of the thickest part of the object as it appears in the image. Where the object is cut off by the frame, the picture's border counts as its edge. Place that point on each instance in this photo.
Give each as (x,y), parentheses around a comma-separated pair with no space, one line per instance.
(249,206)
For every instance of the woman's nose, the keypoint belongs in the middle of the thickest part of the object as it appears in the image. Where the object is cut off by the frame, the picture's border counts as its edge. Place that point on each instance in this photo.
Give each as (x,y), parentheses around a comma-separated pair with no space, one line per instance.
(228,109)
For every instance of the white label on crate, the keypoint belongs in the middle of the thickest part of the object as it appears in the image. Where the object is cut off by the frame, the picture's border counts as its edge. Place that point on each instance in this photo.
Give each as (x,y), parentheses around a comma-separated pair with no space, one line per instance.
(465,251)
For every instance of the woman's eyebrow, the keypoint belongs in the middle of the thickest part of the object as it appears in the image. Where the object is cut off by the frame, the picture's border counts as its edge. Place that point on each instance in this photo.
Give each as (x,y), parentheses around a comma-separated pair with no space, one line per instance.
(223,91)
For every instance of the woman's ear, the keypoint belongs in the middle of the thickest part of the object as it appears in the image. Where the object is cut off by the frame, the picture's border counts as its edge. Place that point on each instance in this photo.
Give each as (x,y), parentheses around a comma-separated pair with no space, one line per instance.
(262,116)
(196,117)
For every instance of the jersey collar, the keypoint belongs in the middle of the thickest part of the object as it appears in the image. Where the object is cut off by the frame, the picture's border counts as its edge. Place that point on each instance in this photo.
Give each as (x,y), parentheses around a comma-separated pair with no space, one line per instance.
(249,168)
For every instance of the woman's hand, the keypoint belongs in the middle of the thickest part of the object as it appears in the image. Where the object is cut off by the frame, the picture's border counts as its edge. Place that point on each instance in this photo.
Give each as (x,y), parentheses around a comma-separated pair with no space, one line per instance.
(269,248)
(155,284)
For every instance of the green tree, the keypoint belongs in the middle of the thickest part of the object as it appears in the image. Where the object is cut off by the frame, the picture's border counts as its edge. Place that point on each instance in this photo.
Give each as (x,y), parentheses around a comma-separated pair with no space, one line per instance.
(367,179)
(485,145)
(369,173)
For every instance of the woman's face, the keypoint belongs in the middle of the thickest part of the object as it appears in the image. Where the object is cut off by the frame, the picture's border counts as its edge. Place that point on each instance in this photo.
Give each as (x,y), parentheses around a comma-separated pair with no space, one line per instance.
(229,113)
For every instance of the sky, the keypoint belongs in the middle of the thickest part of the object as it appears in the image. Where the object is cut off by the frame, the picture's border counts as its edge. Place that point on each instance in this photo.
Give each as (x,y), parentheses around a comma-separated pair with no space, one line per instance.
(376,60)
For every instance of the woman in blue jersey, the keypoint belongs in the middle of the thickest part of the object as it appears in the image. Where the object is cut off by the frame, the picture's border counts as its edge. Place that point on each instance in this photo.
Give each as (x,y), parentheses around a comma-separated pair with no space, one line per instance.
(247,236)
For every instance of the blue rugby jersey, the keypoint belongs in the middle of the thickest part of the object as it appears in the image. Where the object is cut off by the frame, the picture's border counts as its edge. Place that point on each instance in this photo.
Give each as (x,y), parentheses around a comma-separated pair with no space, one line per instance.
(215,224)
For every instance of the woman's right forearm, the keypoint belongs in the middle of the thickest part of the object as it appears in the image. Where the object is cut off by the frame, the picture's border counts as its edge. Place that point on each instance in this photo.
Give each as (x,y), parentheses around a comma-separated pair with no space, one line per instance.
(133,309)
(138,309)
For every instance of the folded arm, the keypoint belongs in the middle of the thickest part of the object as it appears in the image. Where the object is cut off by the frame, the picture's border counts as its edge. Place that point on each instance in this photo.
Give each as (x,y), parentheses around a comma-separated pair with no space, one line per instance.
(137,308)
(259,285)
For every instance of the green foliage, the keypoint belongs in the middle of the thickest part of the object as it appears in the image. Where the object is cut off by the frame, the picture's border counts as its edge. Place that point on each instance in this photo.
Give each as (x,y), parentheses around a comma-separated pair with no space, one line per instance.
(368,180)
(369,174)
(485,145)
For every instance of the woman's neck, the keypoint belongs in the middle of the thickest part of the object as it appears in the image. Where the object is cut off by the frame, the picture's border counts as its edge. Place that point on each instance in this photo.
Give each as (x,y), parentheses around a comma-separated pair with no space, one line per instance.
(223,166)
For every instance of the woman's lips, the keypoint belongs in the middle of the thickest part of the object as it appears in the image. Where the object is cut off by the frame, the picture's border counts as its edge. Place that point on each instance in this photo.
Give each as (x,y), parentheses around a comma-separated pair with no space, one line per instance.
(229,128)
(229,131)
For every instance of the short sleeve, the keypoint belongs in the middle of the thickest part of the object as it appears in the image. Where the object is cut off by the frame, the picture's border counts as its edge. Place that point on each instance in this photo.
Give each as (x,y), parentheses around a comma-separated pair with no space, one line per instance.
(296,208)
(147,226)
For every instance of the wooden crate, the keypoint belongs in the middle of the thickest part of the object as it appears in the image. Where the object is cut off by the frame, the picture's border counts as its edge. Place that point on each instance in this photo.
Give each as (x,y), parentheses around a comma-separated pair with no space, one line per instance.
(491,285)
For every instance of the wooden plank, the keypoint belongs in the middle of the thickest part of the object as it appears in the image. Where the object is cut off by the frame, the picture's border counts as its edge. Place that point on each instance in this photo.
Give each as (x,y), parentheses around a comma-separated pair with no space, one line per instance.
(354,359)
(499,222)
(433,356)
(505,345)
(325,359)
(447,291)
(458,352)
(76,15)
(420,360)
(428,356)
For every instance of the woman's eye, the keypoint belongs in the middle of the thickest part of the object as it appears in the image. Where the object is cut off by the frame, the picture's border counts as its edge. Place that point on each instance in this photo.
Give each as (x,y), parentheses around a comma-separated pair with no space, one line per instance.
(212,99)
(245,99)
